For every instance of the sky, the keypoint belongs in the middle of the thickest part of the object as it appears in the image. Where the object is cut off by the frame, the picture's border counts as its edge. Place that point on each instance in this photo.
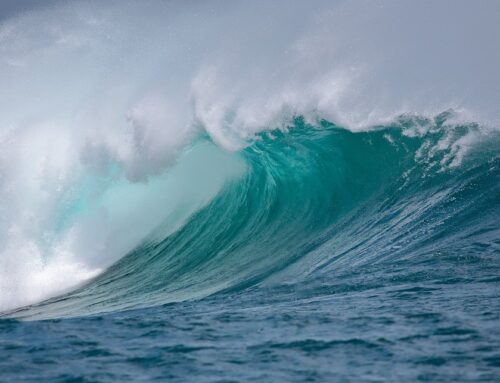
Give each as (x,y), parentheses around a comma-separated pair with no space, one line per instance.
(10,8)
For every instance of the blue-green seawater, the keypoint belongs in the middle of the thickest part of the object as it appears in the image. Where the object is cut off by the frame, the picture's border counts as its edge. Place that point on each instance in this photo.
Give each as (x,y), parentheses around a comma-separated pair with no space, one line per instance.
(335,256)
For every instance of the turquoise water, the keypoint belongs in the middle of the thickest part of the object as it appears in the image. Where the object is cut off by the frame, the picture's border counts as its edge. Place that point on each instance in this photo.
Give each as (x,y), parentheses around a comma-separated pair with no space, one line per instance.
(331,255)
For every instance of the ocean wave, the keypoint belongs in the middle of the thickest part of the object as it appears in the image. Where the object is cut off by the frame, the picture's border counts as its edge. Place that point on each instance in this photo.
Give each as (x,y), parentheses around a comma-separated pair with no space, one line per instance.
(132,128)
(310,200)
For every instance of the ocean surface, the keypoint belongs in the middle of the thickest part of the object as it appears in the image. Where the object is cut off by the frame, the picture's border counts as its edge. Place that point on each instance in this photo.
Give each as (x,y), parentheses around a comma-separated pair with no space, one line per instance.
(227,222)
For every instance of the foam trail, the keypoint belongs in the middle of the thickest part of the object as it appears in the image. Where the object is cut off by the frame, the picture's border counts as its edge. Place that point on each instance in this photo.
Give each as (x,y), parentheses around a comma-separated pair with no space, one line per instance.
(99,100)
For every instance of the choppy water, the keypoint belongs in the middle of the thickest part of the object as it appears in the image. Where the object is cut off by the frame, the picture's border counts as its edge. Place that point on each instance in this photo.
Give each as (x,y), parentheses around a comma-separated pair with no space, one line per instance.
(417,328)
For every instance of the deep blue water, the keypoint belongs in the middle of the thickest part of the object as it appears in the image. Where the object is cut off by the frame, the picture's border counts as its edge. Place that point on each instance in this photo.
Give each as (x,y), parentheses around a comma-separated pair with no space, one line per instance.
(413,330)
(336,256)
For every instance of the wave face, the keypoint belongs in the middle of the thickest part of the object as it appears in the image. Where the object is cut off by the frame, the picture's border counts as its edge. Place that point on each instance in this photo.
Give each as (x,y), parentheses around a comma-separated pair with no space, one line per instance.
(314,201)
